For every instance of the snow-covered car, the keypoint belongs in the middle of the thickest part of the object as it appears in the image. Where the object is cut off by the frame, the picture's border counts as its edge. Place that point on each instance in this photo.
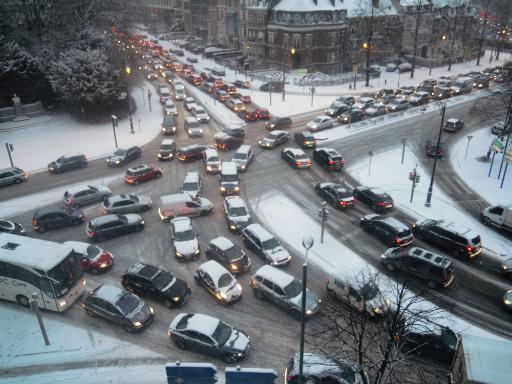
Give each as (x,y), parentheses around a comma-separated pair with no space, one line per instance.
(191,184)
(165,93)
(92,258)
(363,103)
(86,194)
(200,114)
(170,108)
(274,138)
(319,123)
(126,203)
(209,335)
(192,127)
(376,109)
(237,213)
(391,67)
(398,104)
(212,160)
(9,226)
(296,158)
(184,238)
(218,281)
(189,103)
(405,67)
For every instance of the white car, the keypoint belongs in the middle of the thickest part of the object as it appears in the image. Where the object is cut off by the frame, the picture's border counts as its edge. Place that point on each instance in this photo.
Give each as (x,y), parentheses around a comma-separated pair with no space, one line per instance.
(200,114)
(237,213)
(218,281)
(212,160)
(319,123)
(170,108)
(184,238)
(189,103)
(376,109)
(193,127)
(192,184)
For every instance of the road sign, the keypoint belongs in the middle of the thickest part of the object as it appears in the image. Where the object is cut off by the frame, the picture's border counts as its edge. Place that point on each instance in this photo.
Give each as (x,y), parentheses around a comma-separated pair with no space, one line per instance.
(302,71)
(355,67)
(498,145)
(370,153)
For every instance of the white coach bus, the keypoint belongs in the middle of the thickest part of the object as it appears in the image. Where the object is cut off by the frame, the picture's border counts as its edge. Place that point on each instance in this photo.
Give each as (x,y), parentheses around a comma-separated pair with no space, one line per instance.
(50,269)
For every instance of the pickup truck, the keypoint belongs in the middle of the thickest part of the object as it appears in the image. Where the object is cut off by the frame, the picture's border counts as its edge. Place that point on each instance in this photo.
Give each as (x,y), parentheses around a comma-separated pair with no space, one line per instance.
(499,216)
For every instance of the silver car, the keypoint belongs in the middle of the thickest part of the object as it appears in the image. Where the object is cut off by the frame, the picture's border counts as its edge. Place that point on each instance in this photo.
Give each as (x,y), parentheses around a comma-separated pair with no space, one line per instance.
(126,203)
(184,238)
(86,194)
(218,281)
(200,114)
(12,175)
(319,123)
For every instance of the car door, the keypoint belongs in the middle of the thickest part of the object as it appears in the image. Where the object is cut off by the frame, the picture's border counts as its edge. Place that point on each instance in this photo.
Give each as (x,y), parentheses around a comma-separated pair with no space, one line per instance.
(114,315)
(5,178)
(279,297)
(61,220)
(204,344)
(90,196)
(117,228)
(268,290)
(355,299)
(208,283)
(330,195)
(122,206)
(73,163)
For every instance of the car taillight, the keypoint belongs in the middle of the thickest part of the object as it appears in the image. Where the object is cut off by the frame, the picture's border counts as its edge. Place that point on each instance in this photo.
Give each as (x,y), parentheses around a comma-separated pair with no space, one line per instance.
(469,248)
(69,200)
(291,378)
(381,203)
(343,203)
(397,241)
(331,162)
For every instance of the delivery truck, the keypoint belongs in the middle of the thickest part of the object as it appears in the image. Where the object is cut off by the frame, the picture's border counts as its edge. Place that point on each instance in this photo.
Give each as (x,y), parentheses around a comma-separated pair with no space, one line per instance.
(499,216)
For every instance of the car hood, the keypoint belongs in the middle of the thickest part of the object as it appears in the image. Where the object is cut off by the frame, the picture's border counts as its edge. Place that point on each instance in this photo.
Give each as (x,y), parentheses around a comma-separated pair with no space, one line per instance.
(114,158)
(205,203)
(277,254)
(238,341)
(178,288)
(266,140)
(188,247)
(133,218)
(311,300)
(142,313)
(240,219)
(192,194)
(202,116)
(233,290)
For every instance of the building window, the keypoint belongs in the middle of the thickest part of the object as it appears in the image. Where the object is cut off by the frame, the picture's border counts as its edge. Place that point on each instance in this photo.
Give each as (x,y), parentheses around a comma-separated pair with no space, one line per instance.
(296,41)
(271,37)
(286,40)
(309,40)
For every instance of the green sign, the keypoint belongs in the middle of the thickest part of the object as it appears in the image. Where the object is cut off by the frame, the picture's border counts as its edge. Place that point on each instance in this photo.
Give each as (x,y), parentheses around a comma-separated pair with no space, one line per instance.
(302,71)
(498,145)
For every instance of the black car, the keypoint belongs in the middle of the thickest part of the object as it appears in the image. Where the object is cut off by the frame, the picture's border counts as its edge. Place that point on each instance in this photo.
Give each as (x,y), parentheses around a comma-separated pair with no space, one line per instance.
(430,340)
(449,236)
(305,139)
(323,370)
(278,123)
(107,226)
(389,230)
(336,109)
(228,254)
(351,116)
(435,269)
(191,152)
(191,59)
(149,281)
(375,198)
(122,156)
(328,158)
(120,307)
(9,226)
(57,217)
(335,194)
(242,84)
(209,335)
(67,163)
(237,132)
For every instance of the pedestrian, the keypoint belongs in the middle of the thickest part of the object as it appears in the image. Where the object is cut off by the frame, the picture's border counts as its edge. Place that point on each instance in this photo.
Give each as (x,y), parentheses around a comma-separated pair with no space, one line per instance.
(488,155)
(385,82)
(350,86)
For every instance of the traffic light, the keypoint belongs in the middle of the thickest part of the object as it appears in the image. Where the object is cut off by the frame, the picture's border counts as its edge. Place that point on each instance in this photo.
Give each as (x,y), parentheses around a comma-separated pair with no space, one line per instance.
(412,175)
(11,147)
(417,179)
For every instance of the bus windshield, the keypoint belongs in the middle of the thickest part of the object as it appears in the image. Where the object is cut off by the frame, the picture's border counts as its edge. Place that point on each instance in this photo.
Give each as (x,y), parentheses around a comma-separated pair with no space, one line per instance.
(66,274)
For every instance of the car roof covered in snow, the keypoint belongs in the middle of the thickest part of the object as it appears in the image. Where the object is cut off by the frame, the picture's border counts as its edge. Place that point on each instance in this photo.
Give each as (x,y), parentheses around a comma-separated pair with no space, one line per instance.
(259,231)
(235,202)
(198,322)
(275,275)
(222,242)
(215,270)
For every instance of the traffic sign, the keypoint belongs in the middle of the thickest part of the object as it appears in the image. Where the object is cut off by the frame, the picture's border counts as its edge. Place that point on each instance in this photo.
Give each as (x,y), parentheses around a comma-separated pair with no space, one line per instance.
(498,145)
(302,71)
(355,67)
(370,153)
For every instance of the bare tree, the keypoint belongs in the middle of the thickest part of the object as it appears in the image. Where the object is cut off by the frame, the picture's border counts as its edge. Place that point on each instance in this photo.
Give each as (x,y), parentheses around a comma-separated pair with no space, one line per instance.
(483,31)
(418,8)
(379,347)
(368,10)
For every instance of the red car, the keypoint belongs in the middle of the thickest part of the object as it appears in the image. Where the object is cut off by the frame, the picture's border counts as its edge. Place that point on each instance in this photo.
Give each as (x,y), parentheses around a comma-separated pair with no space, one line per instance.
(248,115)
(93,258)
(141,173)
(263,114)
(244,99)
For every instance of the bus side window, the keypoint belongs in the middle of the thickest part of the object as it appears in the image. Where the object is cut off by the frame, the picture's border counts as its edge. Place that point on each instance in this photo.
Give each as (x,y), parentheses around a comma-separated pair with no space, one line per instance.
(19,273)
(3,269)
(46,287)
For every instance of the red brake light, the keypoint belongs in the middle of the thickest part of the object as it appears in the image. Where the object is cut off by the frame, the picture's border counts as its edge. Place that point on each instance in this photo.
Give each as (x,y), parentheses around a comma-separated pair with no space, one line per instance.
(397,241)
(380,203)
(331,162)
(469,248)
(291,378)
(343,202)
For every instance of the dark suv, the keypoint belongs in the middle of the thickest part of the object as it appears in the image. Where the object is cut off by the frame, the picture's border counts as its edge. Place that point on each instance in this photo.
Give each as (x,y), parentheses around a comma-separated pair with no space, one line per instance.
(449,236)
(67,163)
(435,269)
(105,227)
(389,230)
(56,217)
(305,139)
(122,156)
(191,152)
(279,123)
(147,280)
(431,340)
(376,198)
(328,158)
(225,252)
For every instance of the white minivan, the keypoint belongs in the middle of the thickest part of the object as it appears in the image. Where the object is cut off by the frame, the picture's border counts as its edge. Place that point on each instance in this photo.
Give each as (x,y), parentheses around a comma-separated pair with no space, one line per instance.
(229,179)
(181,204)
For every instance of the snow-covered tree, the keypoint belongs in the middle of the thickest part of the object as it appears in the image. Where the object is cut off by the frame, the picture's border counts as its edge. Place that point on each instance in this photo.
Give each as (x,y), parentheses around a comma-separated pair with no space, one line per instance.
(86,81)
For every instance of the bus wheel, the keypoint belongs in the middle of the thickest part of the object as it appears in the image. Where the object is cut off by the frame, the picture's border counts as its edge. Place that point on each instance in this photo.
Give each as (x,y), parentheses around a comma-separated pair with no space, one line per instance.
(22,300)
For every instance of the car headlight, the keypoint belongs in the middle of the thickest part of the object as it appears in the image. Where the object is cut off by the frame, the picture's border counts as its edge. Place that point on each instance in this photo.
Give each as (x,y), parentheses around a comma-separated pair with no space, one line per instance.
(142,222)
(237,188)
(103,265)
(159,155)
(238,286)
(200,131)
(242,167)
(118,161)
(223,189)
(176,298)
(137,324)
(196,252)
(309,311)
(234,267)
(189,131)
(504,267)
(377,310)
(223,295)
(151,310)
(62,303)
(178,254)
(507,302)
(232,226)
(209,167)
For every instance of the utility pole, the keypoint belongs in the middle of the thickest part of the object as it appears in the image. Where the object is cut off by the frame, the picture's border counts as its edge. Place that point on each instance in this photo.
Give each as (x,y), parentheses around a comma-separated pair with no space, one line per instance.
(114,125)
(35,308)
(415,178)
(10,148)
(403,140)
(324,214)
(431,186)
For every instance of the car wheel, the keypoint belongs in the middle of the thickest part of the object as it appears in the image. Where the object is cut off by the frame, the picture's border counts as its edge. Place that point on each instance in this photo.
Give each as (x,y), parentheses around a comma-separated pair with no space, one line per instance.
(168,303)
(23,300)
(128,329)
(158,175)
(258,294)
(90,313)
(76,205)
(390,267)
(136,182)
(41,229)
(17,181)
(77,222)
(100,238)
(332,294)
(144,208)
(181,344)
(295,314)
(139,228)
(229,358)
(486,221)
(83,165)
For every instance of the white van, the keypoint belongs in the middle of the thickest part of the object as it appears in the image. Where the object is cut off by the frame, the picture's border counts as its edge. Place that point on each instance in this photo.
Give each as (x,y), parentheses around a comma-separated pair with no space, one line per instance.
(229,179)
(243,157)
(181,204)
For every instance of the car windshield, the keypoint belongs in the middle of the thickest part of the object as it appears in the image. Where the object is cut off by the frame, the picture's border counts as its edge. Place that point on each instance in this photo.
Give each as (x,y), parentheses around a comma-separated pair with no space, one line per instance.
(233,253)
(166,147)
(127,303)
(66,274)
(271,244)
(92,251)
(449,338)
(213,159)
(60,159)
(369,291)
(271,137)
(193,124)
(222,333)
(240,156)
(238,211)
(293,289)
(190,187)
(185,235)
(225,280)
(162,279)
(119,152)
(229,178)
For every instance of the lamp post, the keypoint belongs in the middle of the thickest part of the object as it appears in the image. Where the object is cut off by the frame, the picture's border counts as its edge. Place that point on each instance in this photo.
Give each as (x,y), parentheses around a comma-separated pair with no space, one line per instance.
(114,125)
(292,51)
(128,72)
(431,185)
(307,243)
(434,49)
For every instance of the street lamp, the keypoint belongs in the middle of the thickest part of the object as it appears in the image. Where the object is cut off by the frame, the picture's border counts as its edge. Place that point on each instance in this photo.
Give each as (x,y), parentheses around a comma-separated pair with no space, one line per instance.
(114,125)
(307,243)
(431,186)
(443,38)
(292,52)
(128,72)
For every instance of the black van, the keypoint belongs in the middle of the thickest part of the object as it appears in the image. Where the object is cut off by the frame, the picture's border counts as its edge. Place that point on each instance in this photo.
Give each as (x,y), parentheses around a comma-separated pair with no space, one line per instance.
(67,163)
(225,142)
(278,123)
(305,139)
